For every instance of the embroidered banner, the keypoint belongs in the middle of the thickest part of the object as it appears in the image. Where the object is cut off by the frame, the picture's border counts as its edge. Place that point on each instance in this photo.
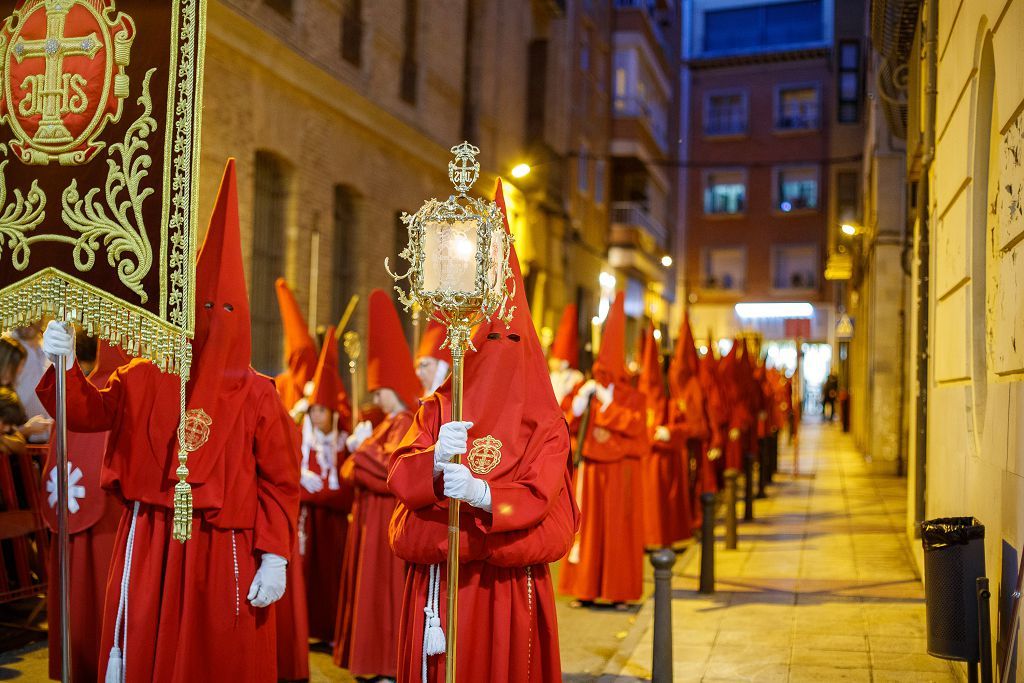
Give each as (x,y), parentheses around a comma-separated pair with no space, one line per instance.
(100,105)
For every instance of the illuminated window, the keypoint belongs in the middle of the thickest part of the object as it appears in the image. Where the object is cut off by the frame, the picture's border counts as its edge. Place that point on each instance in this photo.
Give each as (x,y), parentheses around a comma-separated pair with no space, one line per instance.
(725,192)
(849,82)
(797,108)
(796,189)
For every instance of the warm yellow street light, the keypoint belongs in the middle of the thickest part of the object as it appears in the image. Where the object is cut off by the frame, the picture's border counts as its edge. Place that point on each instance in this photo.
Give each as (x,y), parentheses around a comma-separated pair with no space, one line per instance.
(666,261)
(520,170)
(848,229)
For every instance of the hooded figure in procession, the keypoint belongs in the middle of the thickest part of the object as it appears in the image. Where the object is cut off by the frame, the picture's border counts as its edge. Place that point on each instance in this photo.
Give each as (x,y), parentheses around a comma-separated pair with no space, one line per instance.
(564,358)
(326,497)
(194,611)
(372,578)
(606,559)
(518,513)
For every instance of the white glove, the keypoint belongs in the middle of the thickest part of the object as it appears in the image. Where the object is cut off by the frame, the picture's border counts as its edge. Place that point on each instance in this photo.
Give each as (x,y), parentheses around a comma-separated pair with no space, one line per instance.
(311,481)
(460,484)
(300,408)
(452,440)
(604,395)
(661,433)
(582,398)
(269,583)
(360,434)
(714,454)
(59,341)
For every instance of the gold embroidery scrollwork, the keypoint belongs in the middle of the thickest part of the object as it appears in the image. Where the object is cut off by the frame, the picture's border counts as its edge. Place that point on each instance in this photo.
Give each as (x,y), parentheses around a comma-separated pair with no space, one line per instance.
(19,218)
(123,232)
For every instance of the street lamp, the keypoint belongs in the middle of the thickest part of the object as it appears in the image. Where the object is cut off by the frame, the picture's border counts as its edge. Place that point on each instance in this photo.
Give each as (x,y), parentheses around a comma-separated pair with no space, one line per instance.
(848,229)
(666,261)
(521,170)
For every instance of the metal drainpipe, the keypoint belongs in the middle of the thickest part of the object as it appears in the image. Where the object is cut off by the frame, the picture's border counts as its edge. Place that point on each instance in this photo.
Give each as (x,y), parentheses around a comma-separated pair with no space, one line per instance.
(931,45)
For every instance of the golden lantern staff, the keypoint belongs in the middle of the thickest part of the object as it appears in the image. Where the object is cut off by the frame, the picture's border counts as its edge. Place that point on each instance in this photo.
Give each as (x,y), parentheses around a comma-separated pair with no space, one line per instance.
(458,274)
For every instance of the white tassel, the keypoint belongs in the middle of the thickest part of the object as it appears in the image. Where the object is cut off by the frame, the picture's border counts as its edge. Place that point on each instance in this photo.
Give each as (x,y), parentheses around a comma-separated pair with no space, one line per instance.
(434,641)
(115,672)
(435,637)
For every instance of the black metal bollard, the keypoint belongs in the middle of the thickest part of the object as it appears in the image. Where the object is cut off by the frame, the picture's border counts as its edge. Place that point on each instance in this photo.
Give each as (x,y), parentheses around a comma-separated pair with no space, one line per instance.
(762,467)
(662,560)
(748,487)
(707,544)
(730,509)
(773,455)
(984,629)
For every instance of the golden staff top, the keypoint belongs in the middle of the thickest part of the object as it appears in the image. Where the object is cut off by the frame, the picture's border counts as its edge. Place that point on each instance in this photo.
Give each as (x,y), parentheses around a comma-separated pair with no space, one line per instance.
(458,255)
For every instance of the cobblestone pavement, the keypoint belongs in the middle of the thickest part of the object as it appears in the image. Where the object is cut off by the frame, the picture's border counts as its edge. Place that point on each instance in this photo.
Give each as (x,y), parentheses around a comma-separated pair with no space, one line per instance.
(822,586)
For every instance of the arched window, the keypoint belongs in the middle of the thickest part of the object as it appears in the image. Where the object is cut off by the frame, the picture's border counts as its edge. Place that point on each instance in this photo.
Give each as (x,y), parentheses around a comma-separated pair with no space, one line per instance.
(270,210)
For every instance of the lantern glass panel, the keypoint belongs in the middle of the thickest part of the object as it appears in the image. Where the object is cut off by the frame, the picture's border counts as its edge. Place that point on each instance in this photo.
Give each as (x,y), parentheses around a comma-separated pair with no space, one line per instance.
(449,256)
(496,259)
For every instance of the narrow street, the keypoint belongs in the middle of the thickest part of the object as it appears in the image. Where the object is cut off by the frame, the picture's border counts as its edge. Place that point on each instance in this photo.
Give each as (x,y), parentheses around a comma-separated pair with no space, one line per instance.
(821,588)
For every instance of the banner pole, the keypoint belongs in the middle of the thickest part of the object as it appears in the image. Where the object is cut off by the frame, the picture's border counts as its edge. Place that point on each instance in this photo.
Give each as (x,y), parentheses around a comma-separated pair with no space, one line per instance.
(61,443)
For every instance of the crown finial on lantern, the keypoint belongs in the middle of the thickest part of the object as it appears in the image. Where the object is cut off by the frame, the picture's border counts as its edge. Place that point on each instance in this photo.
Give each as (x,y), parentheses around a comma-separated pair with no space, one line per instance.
(464,169)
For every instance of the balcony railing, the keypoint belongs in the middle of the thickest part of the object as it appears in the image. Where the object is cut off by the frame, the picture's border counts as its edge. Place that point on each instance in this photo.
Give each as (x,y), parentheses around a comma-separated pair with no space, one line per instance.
(634,213)
(634,107)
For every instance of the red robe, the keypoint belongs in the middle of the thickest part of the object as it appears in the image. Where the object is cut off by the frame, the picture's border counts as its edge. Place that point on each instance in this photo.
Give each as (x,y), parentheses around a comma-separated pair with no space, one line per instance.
(606,560)
(323,528)
(187,617)
(92,528)
(373,578)
(507,625)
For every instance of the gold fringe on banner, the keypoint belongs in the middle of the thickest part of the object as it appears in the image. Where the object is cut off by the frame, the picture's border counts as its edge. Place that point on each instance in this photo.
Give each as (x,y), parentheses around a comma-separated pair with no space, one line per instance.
(50,294)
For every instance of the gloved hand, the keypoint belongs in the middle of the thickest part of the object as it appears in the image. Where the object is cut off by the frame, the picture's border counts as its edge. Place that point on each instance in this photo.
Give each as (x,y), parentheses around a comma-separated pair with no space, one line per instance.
(460,484)
(582,398)
(36,425)
(452,440)
(360,434)
(604,395)
(661,433)
(269,583)
(714,454)
(311,481)
(58,341)
(300,408)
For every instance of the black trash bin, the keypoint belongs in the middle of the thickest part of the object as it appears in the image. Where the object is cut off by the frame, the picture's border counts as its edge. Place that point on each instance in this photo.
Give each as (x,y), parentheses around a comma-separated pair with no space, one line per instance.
(954,558)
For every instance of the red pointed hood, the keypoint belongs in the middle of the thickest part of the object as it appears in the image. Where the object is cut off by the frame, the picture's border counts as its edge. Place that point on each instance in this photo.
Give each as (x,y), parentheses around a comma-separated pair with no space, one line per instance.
(327,386)
(507,389)
(299,347)
(651,383)
(685,362)
(389,361)
(567,339)
(221,349)
(610,365)
(431,341)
